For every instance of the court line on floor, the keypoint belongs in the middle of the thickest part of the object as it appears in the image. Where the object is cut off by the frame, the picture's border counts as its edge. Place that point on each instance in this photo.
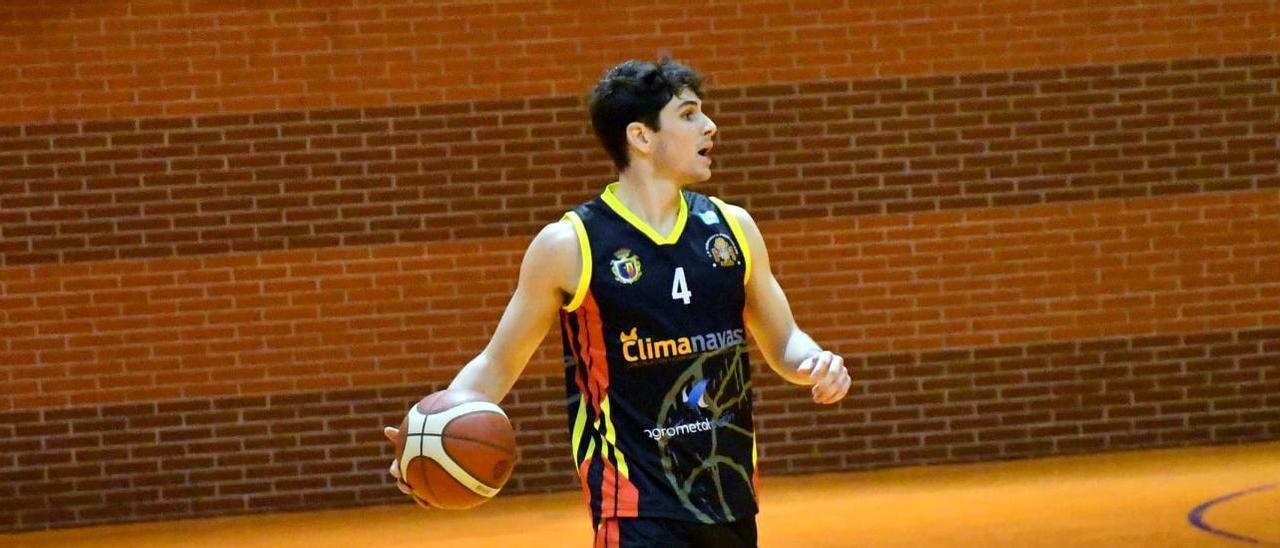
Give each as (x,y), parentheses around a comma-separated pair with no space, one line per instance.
(1196,516)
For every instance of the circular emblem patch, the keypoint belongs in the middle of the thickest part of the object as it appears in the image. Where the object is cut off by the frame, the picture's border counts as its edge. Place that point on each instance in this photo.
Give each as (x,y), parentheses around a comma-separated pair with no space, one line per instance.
(722,251)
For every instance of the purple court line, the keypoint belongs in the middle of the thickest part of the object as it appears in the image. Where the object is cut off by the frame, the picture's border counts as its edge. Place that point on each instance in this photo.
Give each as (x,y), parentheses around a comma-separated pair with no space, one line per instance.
(1196,516)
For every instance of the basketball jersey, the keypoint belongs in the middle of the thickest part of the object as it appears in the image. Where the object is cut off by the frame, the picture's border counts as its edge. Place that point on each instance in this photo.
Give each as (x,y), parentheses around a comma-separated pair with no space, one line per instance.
(656,368)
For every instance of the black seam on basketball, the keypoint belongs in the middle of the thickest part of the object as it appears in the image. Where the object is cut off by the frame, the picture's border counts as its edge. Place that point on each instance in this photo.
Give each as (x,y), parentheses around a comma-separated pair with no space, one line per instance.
(480,442)
(422,441)
(420,500)
(426,486)
(445,448)
(463,438)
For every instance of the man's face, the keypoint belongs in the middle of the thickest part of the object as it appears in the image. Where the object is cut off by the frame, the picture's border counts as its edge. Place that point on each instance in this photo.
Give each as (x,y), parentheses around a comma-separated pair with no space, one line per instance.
(683,145)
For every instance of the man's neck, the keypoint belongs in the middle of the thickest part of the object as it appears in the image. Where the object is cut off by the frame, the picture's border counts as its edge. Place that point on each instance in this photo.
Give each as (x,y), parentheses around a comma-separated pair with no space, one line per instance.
(656,201)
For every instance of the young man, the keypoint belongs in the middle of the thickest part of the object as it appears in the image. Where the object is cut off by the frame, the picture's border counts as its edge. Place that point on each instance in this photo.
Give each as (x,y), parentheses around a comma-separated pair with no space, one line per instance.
(653,286)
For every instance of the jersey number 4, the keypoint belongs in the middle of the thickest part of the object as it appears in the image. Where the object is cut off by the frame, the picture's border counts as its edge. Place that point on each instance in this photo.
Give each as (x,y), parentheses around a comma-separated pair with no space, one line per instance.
(680,287)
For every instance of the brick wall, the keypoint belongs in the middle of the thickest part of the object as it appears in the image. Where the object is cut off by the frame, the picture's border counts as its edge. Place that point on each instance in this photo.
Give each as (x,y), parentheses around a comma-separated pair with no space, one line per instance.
(126,189)
(236,241)
(84,59)
(320,449)
(334,318)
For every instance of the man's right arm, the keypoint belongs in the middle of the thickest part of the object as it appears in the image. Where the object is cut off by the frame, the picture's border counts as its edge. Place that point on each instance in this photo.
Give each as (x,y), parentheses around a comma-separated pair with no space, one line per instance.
(548,273)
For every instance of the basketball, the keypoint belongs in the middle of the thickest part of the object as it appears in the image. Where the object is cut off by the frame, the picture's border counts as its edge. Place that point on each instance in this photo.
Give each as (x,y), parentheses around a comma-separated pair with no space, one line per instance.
(455,449)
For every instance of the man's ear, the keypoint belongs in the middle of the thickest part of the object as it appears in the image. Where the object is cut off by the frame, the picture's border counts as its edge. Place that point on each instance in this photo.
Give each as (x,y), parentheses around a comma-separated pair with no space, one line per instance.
(640,137)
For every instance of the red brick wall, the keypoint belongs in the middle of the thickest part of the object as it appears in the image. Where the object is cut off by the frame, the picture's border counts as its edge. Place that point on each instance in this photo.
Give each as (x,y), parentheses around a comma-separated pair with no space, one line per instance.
(127,189)
(234,242)
(270,322)
(85,59)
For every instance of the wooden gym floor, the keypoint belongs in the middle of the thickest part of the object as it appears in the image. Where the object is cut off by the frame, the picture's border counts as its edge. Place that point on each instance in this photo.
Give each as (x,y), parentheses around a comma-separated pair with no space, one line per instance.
(1203,497)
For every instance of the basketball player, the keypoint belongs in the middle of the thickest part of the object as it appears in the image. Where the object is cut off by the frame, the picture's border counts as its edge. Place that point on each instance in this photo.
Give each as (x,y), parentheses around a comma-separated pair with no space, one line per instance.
(654,286)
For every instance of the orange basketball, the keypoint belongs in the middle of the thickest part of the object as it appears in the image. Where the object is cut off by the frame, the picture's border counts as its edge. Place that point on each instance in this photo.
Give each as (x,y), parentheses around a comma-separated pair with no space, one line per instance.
(455,449)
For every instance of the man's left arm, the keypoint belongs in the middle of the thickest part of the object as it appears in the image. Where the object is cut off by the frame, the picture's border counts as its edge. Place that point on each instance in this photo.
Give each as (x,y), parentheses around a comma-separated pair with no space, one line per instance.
(790,352)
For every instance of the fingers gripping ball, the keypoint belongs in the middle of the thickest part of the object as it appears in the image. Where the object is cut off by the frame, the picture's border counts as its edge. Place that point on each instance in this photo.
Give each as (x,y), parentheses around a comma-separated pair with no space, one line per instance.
(455,449)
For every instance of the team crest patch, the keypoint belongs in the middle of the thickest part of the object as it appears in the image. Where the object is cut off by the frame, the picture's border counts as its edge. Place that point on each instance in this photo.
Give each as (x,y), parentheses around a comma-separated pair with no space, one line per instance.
(722,251)
(625,266)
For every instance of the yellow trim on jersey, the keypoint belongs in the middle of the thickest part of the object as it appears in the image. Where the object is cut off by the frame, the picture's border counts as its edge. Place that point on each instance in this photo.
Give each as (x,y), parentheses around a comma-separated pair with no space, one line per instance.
(579,424)
(611,436)
(617,206)
(737,233)
(584,249)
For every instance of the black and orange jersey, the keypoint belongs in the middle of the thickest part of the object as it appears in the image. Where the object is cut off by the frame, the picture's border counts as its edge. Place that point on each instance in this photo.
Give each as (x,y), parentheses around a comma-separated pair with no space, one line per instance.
(656,367)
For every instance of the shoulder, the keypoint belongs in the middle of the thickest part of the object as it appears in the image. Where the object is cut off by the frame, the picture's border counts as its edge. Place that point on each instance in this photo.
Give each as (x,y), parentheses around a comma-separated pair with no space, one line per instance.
(556,242)
(553,257)
(738,214)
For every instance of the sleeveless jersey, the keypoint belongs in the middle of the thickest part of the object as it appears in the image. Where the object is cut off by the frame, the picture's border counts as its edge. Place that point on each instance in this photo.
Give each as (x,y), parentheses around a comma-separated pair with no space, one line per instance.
(656,368)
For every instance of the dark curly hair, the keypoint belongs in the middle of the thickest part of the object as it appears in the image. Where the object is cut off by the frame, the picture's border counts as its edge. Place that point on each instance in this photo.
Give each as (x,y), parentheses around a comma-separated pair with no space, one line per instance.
(636,91)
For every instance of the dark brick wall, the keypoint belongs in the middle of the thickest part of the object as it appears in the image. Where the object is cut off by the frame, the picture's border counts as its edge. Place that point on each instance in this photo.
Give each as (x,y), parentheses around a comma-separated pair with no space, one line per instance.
(90,60)
(200,457)
(126,189)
